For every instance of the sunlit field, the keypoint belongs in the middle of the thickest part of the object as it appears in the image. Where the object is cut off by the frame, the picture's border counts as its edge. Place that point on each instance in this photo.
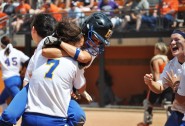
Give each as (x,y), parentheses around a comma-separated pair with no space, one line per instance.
(119,117)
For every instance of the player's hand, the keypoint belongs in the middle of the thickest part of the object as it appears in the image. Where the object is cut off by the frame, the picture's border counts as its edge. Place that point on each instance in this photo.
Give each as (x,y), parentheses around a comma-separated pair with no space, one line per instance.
(172,81)
(148,78)
(87,96)
(52,41)
(75,96)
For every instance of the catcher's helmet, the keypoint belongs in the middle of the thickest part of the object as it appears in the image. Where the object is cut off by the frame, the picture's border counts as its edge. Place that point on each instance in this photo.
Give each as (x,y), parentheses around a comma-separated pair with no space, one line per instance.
(99,25)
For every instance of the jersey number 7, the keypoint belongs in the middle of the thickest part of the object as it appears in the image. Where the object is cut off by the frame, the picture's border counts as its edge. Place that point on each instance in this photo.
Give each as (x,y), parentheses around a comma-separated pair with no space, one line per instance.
(53,63)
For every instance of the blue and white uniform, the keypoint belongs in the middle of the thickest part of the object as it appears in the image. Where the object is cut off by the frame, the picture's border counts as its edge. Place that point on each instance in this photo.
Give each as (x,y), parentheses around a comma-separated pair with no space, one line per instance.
(177,109)
(10,66)
(51,84)
(75,113)
(50,87)
(171,65)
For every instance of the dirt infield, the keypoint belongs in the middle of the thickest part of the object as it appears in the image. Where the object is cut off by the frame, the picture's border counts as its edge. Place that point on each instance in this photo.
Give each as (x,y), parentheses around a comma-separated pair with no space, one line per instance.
(119,117)
(123,117)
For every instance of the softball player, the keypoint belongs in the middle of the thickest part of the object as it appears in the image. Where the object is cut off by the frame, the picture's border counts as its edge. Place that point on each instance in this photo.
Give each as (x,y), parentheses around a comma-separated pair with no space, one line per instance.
(59,78)
(177,117)
(97,29)
(49,95)
(87,31)
(43,25)
(11,61)
(170,78)
(68,75)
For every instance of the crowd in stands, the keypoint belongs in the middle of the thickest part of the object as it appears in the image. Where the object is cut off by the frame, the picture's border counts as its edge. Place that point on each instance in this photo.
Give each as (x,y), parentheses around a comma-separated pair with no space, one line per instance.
(123,13)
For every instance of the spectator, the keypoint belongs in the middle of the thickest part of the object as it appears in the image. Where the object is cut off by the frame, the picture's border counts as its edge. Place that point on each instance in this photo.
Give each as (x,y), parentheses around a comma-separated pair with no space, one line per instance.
(3,21)
(120,3)
(143,7)
(86,5)
(180,15)
(64,4)
(110,8)
(164,11)
(136,9)
(49,7)
(23,7)
(75,13)
(9,8)
(3,3)
(168,9)
(21,15)
(60,3)
(17,23)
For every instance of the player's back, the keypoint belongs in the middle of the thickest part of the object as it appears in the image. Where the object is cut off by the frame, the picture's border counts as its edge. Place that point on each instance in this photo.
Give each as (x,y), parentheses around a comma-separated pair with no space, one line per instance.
(51,85)
(11,64)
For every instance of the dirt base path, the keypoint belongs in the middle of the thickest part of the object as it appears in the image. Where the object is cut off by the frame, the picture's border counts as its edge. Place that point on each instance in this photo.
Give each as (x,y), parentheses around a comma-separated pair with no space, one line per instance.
(121,117)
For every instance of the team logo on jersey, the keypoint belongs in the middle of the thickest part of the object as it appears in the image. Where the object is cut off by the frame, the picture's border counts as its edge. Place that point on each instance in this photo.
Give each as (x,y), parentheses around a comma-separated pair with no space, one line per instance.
(109,33)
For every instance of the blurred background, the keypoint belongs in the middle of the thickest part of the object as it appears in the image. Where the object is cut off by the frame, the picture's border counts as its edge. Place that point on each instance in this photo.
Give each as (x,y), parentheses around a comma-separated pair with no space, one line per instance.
(116,77)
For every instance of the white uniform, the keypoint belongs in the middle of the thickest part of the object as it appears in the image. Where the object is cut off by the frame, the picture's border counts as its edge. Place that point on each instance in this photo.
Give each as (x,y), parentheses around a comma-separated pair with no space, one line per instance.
(177,69)
(51,84)
(33,65)
(11,65)
(181,88)
(181,92)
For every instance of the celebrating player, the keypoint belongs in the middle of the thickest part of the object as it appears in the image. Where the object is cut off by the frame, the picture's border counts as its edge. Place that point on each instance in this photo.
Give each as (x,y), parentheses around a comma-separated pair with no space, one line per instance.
(170,77)
(102,22)
(42,26)
(11,61)
(50,94)
(97,29)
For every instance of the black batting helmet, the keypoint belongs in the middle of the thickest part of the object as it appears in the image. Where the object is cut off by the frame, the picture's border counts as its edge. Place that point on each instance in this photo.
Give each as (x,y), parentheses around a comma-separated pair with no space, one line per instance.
(100,25)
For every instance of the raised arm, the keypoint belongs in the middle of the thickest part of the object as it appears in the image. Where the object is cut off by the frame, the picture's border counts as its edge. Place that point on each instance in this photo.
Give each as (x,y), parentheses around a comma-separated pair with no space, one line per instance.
(53,52)
(81,55)
(153,85)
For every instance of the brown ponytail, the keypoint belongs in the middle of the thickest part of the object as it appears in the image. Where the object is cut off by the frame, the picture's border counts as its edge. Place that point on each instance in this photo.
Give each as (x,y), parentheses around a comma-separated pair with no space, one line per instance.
(5,40)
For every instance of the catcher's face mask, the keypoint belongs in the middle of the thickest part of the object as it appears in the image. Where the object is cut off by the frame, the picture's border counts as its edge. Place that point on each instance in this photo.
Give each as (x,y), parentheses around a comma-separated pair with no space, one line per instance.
(95,42)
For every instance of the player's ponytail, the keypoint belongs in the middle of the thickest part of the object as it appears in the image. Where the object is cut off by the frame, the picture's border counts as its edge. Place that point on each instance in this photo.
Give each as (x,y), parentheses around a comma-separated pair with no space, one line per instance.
(5,40)
(7,52)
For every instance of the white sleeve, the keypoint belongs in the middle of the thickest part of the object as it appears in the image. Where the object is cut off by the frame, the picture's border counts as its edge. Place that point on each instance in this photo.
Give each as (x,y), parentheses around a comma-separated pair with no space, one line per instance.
(29,69)
(24,57)
(30,66)
(79,80)
(181,88)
